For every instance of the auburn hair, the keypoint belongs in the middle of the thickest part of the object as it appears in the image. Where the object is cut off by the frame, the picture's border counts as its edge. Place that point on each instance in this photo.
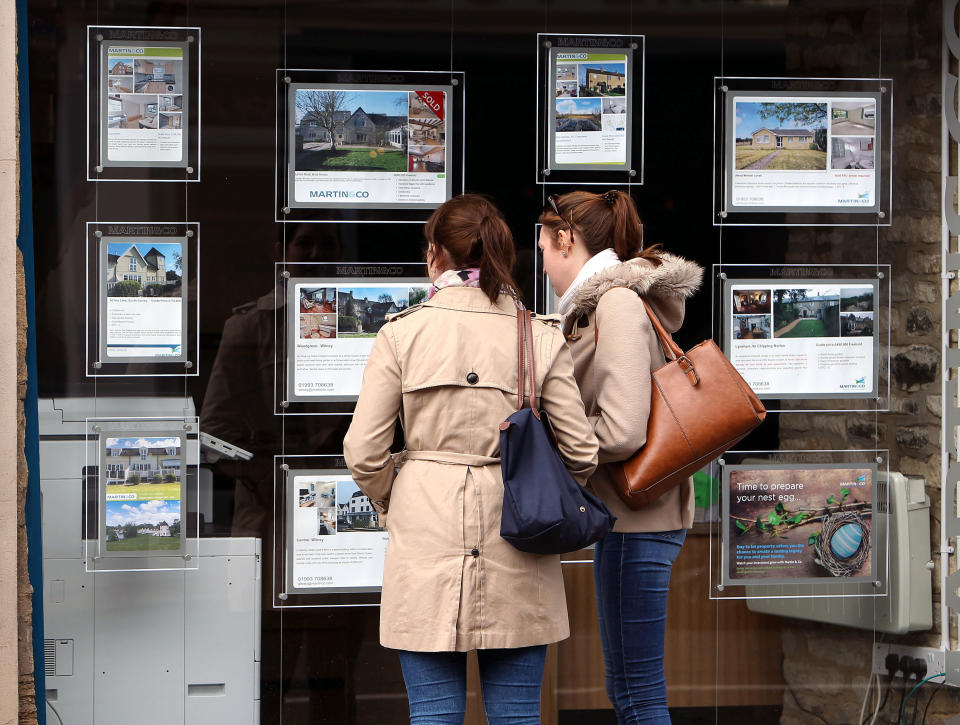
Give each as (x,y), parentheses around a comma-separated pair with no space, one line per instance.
(474,234)
(601,221)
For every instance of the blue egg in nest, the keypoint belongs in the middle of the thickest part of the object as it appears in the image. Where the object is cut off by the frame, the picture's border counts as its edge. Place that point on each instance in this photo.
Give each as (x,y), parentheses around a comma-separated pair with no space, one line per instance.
(846,540)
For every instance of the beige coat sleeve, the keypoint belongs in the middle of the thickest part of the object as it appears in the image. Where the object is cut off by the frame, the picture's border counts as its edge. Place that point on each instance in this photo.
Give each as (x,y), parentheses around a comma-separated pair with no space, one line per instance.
(622,374)
(366,446)
(560,397)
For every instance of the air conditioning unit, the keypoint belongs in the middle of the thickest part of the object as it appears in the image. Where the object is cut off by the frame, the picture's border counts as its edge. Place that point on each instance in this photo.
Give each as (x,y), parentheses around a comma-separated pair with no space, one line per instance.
(903,602)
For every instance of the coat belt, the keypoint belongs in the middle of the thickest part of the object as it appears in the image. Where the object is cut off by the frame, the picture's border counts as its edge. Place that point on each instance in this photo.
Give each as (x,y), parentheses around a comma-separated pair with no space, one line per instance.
(463,459)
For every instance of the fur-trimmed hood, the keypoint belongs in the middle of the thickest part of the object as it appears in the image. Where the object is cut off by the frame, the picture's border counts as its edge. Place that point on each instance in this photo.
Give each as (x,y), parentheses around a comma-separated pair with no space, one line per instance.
(665,286)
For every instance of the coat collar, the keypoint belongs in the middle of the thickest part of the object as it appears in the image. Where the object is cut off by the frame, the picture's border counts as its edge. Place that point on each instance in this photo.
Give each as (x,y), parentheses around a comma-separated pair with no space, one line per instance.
(673,281)
(471,299)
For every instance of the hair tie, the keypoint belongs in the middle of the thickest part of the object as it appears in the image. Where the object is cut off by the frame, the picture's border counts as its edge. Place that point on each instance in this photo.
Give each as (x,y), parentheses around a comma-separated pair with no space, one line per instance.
(610,197)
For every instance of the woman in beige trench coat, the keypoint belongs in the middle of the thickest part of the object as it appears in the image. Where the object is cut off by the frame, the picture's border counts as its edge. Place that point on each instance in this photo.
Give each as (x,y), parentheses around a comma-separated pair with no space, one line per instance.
(451,584)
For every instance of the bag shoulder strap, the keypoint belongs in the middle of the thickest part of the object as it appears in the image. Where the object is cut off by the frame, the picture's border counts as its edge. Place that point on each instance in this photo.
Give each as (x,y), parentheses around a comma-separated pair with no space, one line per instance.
(526,375)
(670,349)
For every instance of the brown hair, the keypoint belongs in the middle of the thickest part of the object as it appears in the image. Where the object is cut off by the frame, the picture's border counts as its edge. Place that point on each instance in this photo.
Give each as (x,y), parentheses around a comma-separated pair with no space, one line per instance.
(601,221)
(474,234)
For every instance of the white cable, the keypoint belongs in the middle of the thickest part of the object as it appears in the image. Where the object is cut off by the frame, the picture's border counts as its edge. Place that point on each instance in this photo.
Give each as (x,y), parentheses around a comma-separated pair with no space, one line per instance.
(876,710)
(50,705)
(866,698)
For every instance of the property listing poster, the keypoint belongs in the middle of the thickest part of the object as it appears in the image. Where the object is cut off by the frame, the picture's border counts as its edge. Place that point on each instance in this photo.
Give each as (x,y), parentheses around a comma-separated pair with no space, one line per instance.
(142,295)
(795,152)
(144,88)
(355,146)
(143,478)
(338,540)
(333,331)
(803,339)
(590,98)
(796,522)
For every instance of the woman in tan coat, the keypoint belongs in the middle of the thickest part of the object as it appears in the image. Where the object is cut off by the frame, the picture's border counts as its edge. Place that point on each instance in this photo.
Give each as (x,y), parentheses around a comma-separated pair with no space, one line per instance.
(451,584)
(593,254)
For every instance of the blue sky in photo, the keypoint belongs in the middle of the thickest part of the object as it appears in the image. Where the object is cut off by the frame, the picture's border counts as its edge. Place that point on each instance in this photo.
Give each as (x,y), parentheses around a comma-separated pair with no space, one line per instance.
(345,490)
(113,60)
(121,513)
(391,103)
(143,442)
(399,294)
(167,250)
(748,120)
(578,105)
(582,75)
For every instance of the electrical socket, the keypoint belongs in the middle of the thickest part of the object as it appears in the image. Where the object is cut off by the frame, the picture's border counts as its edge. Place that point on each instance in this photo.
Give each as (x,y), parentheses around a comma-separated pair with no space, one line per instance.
(935,658)
(953,670)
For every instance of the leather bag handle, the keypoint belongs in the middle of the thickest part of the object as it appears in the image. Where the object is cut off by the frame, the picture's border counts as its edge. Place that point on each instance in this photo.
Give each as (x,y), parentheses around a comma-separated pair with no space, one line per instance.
(526,376)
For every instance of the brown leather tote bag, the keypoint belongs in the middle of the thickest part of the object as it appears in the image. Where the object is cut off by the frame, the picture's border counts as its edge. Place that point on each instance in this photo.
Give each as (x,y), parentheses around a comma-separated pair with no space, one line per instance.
(699,407)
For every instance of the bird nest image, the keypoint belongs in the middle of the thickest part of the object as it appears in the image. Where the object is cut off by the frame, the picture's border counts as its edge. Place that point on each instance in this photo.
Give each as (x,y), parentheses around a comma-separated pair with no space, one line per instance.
(844,543)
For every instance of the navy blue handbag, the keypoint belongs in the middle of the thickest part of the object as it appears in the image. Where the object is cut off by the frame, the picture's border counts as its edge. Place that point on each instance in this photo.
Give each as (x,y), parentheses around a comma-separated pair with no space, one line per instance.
(545,511)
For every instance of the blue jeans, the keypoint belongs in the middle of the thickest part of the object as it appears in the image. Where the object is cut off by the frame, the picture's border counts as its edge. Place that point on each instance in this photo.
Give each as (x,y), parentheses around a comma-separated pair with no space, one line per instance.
(632,576)
(510,680)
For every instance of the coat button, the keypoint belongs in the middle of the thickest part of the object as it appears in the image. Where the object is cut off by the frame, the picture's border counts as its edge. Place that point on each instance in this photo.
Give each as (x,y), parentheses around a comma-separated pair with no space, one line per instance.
(475,552)
(473,378)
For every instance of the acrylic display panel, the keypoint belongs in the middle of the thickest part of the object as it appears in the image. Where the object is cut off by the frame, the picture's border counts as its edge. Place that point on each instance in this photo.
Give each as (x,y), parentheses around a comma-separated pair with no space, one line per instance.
(327,322)
(142,299)
(590,105)
(800,524)
(330,542)
(367,145)
(143,103)
(816,336)
(803,151)
(141,496)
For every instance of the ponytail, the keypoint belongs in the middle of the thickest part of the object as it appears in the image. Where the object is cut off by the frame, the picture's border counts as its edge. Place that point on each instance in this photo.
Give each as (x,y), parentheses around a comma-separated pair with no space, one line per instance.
(498,256)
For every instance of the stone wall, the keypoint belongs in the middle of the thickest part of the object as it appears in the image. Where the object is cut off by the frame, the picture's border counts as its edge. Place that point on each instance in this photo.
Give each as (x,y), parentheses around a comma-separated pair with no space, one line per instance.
(827,667)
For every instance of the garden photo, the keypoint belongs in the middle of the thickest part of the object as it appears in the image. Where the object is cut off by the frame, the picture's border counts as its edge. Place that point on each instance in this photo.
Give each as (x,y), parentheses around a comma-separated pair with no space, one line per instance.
(362,311)
(807,312)
(143,525)
(578,114)
(355,512)
(144,270)
(339,130)
(142,468)
(780,136)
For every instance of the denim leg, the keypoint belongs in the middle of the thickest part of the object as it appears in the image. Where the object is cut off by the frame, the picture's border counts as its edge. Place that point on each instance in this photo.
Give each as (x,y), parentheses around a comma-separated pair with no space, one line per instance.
(633,578)
(511,680)
(436,686)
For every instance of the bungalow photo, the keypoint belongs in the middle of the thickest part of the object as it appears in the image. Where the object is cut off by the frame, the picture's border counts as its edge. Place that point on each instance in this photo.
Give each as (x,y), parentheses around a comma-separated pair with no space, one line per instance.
(751,301)
(362,311)
(340,130)
(355,512)
(142,468)
(602,79)
(144,270)
(143,526)
(578,114)
(806,312)
(780,136)
(751,327)
(158,75)
(315,492)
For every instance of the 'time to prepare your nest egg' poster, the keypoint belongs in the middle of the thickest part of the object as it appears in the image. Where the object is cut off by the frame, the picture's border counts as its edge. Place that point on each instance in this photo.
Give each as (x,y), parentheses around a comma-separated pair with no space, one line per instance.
(796,522)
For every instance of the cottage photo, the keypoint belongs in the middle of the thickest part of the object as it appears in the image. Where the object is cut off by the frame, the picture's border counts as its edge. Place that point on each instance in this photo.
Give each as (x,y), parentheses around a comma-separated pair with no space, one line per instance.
(751,327)
(751,301)
(853,118)
(578,114)
(315,492)
(856,299)
(362,311)
(341,130)
(856,324)
(142,468)
(144,270)
(158,75)
(143,525)
(807,312)
(355,512)
(602,79)
(778,135)
(851,152)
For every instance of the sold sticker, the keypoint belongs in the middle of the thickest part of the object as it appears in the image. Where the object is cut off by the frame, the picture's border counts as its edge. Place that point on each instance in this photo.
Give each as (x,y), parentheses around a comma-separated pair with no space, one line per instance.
(433,100)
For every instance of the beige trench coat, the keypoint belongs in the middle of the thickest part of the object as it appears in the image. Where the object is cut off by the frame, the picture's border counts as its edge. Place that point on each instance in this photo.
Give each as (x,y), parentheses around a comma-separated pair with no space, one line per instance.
(450,582)
(613,371)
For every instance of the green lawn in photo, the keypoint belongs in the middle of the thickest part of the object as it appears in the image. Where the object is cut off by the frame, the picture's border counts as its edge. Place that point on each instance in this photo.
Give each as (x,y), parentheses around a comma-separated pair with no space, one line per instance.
(806,328)
(799,159)
(359,160)
(145,543)
(358,334)
(148,491)
(747,155)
